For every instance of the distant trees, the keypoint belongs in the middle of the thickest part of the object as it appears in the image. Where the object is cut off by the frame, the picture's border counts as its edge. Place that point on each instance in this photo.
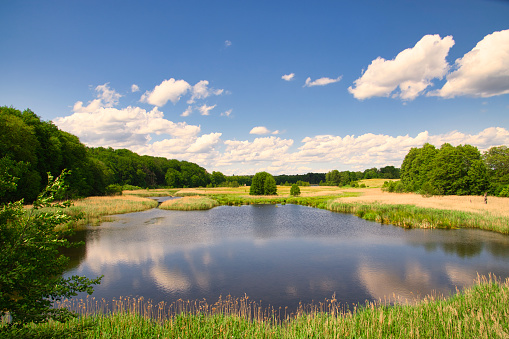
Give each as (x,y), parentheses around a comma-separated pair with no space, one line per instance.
(263,183)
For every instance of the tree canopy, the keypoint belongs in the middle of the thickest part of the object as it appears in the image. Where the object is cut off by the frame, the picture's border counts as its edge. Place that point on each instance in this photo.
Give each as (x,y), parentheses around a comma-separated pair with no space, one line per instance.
(263,183)
(459,170)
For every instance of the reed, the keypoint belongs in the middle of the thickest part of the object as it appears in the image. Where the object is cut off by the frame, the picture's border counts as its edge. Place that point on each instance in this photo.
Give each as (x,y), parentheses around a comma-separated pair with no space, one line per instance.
(189,203)
(93,210)
(410,216)
(479,311)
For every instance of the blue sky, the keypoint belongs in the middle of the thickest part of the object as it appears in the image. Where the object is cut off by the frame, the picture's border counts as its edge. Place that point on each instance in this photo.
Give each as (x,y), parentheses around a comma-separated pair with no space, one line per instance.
(243,86)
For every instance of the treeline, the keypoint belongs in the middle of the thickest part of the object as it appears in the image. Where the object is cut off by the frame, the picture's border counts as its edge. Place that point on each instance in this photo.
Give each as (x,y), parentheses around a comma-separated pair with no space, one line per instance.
(345,178)
(31,148)
(460,170)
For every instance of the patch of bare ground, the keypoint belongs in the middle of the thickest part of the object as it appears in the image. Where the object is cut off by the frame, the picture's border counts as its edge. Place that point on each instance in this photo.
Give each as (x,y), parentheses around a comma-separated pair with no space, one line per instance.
(496,206)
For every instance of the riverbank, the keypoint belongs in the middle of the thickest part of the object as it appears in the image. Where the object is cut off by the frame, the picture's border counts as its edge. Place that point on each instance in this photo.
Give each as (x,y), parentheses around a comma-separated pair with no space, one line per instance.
(476,312)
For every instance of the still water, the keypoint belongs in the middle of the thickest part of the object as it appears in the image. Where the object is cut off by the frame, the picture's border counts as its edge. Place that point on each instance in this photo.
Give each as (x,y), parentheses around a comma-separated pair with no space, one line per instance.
(280,255)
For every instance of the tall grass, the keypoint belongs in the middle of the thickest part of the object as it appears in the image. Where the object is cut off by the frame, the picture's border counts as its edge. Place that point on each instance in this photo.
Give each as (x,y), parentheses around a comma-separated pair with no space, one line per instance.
(409,216)
(189,203)
(480,311)
(93,210)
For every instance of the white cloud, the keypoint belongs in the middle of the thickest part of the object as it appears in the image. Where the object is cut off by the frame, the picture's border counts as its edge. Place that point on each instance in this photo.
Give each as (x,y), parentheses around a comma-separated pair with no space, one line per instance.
(261,149)
(227,43)
(201,91)
(259,130)
(205,143)
(205,110)
(411,70)
(227,113)
(288,77)
(482,72)
(321,82)
(187,112)
(135,88)
(168,90)
(106,97)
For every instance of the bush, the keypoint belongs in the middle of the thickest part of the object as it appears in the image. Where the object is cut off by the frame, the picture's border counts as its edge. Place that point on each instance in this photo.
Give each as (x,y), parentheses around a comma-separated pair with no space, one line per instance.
(114,189)
(30,265)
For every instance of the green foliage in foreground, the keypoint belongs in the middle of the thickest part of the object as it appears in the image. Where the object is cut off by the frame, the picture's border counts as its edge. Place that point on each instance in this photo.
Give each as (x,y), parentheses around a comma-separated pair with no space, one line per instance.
(30,266)
(477,312)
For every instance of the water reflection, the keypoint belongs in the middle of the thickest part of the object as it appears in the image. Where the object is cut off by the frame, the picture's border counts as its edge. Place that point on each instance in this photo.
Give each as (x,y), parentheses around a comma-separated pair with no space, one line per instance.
(281,255)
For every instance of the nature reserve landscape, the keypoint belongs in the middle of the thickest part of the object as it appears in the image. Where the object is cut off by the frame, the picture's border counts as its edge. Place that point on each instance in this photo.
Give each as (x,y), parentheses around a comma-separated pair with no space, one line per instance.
(254,169)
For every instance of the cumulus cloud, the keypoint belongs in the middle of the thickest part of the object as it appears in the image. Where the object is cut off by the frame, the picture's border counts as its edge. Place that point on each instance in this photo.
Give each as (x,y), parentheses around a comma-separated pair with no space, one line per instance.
(412,70)
(187,112)
(105,97)
(205,110)
(259,130)
(321,82)
(288,77)
(168,90)
(134,88)
(482,72)
(227,43)
(130,127)
(201,91)
(261,149)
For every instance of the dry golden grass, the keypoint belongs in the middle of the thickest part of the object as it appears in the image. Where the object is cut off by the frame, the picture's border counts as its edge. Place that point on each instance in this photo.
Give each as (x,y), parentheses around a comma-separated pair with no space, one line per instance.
(496,206)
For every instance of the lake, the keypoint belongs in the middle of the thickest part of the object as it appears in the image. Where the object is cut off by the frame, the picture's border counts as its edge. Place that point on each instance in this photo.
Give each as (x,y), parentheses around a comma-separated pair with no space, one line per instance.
(280,255)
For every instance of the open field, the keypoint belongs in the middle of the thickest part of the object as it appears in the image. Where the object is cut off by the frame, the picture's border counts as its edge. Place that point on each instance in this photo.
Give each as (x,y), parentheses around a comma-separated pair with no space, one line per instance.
(477,312)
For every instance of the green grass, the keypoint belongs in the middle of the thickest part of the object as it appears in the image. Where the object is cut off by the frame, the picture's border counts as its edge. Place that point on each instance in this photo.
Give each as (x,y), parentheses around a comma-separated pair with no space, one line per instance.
(480,311)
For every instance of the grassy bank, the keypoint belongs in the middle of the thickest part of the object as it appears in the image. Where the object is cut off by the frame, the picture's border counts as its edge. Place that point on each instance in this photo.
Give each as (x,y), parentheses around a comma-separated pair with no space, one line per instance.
(93,210)
(477,312)
(190,203)
(410,216)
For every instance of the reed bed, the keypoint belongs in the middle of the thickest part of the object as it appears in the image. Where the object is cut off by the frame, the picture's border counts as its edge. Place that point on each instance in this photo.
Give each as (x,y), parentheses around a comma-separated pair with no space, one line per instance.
(189,203)
(93,210)
(411,216)
(479,311)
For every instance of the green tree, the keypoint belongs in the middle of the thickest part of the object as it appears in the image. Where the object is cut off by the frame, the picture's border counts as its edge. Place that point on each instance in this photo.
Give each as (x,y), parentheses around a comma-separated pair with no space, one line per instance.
(333,178)
(173,178)
(263,183)
(497,166)
(269,186)
(30,265)
(217,178)
(295,190)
